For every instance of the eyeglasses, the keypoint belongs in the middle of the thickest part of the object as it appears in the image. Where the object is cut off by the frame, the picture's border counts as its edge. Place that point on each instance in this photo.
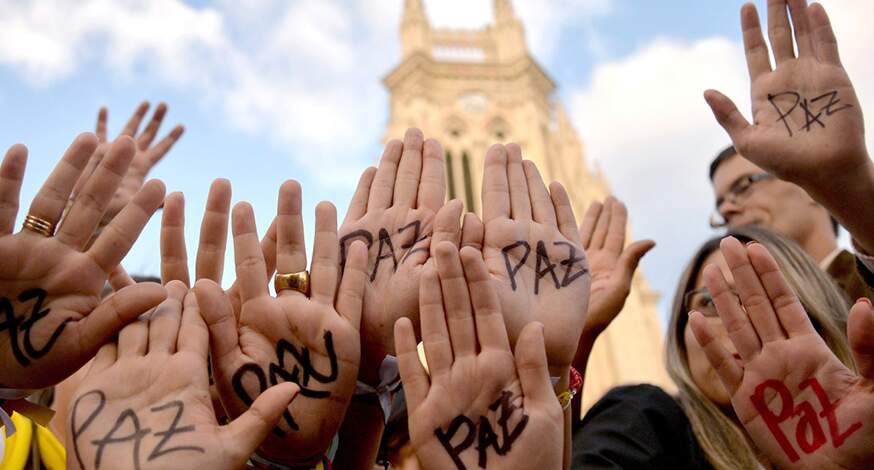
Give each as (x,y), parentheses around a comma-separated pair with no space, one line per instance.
(701,300)
(737,193)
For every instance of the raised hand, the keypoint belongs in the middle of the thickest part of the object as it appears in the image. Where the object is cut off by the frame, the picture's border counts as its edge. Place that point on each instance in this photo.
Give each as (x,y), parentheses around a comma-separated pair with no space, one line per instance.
(52,319)
(312,340)
(145,158)
(800,405)
(532,249)
(481,407)
(807,123)
(395,212)
(612,264)
(144,403)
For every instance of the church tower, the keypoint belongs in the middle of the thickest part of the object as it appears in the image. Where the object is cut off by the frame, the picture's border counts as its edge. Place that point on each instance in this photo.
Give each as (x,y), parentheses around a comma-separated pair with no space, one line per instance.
(470,89)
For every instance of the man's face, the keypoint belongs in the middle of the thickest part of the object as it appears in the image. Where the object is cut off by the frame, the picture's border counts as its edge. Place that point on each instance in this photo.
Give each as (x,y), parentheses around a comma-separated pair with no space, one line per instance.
(770,203)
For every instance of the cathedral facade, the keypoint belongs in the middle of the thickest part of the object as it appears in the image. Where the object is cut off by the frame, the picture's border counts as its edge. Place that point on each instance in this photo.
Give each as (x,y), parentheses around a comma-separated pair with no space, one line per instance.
(470,89)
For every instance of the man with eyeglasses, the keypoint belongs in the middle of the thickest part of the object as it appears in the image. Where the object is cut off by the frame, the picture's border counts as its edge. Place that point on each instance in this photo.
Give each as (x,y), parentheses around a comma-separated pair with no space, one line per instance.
(748,195)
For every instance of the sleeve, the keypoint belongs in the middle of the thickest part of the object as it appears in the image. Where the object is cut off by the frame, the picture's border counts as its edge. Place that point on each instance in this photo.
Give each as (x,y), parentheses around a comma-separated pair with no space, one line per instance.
(634,427)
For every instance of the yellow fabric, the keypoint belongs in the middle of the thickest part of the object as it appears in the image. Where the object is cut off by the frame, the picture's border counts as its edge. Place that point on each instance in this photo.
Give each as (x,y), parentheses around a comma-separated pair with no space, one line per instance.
(18,446)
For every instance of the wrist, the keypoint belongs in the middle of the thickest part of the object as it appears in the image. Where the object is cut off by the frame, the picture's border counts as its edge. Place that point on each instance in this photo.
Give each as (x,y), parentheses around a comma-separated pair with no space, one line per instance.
(826,187)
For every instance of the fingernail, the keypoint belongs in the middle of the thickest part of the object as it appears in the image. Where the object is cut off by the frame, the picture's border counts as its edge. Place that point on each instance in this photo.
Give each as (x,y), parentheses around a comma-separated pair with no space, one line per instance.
(864,300)
(750,243)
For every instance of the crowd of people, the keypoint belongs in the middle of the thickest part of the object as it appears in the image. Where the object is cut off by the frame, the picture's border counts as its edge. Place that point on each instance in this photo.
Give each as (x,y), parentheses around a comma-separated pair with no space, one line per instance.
(422,336)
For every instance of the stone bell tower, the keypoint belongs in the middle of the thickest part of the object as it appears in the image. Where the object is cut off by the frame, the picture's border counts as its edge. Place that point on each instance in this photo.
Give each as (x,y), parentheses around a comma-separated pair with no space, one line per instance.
(472,88)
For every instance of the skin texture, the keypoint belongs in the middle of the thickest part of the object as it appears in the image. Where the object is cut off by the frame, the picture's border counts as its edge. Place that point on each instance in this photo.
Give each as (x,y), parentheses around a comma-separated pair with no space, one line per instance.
(471,364)
(303,322)
(777,342)
(71,276)
(155,361)
(821,149)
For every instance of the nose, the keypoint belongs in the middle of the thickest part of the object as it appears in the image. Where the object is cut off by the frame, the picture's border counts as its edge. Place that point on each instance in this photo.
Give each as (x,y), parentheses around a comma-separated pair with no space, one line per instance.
(729,209)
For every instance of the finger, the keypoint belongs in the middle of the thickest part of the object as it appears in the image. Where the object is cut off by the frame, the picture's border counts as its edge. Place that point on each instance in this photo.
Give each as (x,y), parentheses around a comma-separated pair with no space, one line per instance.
(599,235)
(447,224)
(11,177)
(435,335)
(52,198)
(92,165)
(726,367)
(432,186)
(735,320)
(119,279)
(413,376)
(251,271)
(630,258)
(133,124)
(326,256)
(456,299)
(291,256)
(564,211)
(472,232)
(210,262)
(165,320)
(409,170)
(590,220)
(161,149)
(115,312)
(491,332)
(496,186)
(801,27)
(268,248)
(106,357)
(148,135)
(133,340)
(350,298)
(174,258)
(541,203)
(727,115)
(118,237)
(90,205)
(193,333)
(779,31)
(790,313)
(860,332)
(102,117)
(520,200)
(532,367)
(615,237)
(358,205)
(756,301)
(758,60)
(218,314)
(244,434)
(823,35)
(383,186)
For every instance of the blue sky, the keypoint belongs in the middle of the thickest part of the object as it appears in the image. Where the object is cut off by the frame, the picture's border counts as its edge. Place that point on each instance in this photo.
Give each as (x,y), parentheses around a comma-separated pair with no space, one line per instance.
(272,90)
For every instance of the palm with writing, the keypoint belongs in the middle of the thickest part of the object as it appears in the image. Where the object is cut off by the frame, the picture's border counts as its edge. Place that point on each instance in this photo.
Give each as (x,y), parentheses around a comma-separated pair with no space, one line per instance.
(145,158)
(478,391)
(532,249)
(144,402)
(807,122)
(53,319)
(798,402)
(312,341)
(395,211)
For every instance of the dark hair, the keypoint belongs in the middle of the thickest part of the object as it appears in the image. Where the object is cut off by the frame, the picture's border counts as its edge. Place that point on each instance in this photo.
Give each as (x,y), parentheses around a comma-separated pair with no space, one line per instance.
(721,157)
(729,152)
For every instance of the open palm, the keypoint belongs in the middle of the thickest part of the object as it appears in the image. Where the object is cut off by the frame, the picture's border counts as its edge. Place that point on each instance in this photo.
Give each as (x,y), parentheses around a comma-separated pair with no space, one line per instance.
(798,402)
(477,391)
(53,319)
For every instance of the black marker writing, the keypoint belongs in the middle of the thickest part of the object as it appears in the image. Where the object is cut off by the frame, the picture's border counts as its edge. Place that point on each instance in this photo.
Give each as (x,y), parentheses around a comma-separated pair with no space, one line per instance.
(574,264)
(813,109)
(173,430)
(11,323)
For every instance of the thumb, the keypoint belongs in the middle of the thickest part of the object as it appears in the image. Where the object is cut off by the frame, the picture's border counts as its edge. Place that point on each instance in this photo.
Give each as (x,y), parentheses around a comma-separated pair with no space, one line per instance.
(117,311)
(532,367)
(217,312)
(447,224)
(726,113)
(244,434)
(860,332)
(632,255)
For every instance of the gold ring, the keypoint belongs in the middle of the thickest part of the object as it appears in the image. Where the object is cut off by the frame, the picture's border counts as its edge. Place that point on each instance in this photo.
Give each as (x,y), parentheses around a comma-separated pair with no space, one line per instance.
(299,281)
(40,226)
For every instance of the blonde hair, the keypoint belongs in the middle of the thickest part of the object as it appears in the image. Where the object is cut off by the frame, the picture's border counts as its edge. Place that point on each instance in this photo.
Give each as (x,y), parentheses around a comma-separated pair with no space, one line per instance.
(722,439)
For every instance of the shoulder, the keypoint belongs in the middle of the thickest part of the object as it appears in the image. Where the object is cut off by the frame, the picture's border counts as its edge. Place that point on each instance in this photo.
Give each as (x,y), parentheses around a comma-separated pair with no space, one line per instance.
(636,426)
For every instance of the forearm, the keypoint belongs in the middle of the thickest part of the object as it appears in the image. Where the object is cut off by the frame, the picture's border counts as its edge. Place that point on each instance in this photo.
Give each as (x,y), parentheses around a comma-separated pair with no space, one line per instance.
(360,435)
(850,201)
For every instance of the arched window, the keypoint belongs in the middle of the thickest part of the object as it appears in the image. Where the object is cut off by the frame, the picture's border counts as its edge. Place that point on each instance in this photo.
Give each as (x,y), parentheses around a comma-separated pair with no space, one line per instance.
(450,175)
(468,181)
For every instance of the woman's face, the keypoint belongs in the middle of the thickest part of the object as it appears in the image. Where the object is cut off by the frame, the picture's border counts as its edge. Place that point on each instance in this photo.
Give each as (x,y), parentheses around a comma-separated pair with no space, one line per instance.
(703,374)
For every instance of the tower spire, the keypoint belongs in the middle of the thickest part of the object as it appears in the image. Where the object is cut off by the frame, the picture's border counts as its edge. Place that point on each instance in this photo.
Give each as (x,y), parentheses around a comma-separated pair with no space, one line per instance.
(413,12)
(415,30)
(504,11)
